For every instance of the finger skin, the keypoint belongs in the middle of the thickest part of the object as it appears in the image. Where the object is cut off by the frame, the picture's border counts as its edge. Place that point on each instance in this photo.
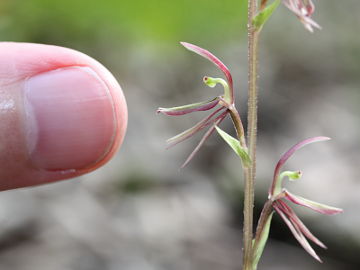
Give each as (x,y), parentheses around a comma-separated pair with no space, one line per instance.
(19,61)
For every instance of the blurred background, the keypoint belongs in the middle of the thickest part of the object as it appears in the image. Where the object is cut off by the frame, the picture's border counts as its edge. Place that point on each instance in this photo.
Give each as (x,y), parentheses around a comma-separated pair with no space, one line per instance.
(140,212)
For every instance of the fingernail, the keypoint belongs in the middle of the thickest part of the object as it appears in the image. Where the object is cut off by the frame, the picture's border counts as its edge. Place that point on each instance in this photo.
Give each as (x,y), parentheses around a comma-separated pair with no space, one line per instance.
(69,119)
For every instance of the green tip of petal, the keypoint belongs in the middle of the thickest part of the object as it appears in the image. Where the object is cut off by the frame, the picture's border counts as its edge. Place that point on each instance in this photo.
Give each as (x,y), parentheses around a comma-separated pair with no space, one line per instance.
(293,176)
(209,81)
(212,82)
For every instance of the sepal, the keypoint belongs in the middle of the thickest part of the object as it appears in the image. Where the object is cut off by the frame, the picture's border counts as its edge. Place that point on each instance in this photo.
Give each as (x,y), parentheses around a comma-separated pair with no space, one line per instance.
(193,130)
(208,133)
(296,229)
(189,108)
(216,61)
(318,207)
(287,155)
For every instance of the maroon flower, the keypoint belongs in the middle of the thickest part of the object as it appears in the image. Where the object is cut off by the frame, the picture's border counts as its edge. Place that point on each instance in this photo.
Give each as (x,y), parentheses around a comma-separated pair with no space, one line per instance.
(220,104)
(278,195)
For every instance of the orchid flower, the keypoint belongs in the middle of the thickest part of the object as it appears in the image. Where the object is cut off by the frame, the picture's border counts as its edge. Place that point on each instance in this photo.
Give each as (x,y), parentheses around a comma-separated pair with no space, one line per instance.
(278,195)
(220,104)
(303,9)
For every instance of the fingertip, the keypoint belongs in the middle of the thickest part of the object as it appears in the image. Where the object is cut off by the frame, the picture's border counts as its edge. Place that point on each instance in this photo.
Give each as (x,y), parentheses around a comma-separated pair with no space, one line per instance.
(71,113)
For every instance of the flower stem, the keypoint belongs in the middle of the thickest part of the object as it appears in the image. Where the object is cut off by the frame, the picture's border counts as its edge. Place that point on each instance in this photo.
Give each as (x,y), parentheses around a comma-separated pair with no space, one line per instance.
(238,126)
(253,36)
(265,213)
(262,233)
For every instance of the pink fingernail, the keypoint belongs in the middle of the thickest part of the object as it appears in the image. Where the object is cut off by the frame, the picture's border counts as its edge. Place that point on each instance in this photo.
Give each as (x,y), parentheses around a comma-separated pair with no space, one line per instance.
(70,119)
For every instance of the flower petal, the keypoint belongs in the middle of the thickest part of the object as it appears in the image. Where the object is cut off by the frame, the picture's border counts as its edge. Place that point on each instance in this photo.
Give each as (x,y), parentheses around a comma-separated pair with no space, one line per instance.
(297,233)
(208,55)
(289,153)
(208,133)
(194,107)
(301,226)
(191,131)
(318,207)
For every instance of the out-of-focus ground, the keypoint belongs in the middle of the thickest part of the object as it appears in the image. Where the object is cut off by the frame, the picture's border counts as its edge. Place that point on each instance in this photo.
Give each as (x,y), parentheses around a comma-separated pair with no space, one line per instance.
(141,212)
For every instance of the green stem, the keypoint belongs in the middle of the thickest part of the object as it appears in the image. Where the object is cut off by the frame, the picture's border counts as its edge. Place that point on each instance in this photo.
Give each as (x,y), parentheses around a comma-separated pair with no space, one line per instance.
(253,36)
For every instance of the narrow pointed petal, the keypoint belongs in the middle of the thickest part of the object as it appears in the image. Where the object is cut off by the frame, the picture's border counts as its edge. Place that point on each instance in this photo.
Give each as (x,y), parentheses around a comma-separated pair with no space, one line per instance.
(299,224)
(297,234)
(194,107)
(208,55)
(289,153)
(318,207)
(193,130)
(208,133)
